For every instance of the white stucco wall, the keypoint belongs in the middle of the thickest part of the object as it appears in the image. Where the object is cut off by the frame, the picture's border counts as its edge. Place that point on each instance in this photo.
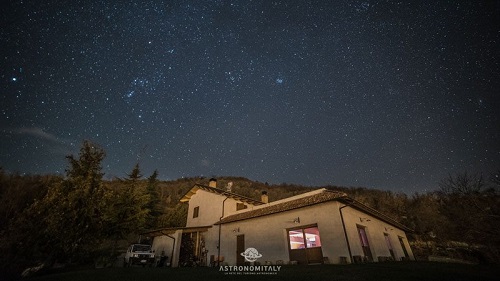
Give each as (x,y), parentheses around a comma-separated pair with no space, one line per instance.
(211,238)
(171,245)
(268,234)
(163,243)
(210,208)
(375,230)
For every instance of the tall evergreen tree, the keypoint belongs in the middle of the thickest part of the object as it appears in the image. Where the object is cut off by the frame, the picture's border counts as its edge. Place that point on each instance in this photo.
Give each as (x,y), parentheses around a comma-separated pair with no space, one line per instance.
(129,207)
(135,175)
(71,211)
(154,203)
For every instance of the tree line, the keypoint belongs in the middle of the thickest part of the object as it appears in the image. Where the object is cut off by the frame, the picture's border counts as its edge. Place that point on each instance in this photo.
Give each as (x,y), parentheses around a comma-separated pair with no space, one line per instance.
(79,217)
(76,218)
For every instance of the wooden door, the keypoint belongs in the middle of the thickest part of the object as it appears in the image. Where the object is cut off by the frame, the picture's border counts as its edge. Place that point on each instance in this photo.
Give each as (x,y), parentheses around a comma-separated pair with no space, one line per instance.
(240,248)
(304,245)
(364,243)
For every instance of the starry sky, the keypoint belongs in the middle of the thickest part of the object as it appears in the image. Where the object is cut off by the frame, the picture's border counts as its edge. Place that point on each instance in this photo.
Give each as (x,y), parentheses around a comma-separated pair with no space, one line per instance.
(393,95)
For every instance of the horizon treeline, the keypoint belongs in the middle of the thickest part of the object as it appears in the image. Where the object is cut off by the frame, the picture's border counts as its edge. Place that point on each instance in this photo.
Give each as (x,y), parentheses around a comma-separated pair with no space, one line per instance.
(81,218)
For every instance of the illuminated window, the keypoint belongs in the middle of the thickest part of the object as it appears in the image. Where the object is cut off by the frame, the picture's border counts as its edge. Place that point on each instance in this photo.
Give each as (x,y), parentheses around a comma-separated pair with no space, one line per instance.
(304,238)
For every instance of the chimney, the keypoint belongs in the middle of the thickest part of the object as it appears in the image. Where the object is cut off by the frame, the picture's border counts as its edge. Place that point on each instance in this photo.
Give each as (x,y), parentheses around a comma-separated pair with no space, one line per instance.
(212,182)
(229,186)
(264,198)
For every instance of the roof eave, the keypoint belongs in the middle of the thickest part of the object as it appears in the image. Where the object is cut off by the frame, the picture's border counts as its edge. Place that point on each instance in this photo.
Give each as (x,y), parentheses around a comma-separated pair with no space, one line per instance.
(360,206)
(172,230)
(187,196)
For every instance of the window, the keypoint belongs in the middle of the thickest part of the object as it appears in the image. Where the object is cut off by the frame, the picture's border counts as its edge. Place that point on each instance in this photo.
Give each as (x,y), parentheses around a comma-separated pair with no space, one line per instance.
(362,237)
(296,239)
(402,242)
(305,244)
(365,245)
(240,206)
(304,238)
(196,212)
(389,245)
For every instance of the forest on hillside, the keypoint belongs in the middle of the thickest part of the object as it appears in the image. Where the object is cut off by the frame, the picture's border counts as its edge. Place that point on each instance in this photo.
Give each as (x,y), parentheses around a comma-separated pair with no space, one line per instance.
(81,218)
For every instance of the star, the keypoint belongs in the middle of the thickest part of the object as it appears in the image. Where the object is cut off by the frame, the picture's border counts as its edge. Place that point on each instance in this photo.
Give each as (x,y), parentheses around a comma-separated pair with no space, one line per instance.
(383,92)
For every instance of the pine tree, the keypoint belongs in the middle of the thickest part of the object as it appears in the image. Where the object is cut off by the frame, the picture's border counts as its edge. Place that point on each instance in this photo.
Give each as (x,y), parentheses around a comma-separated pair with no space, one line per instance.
(72,209)
(154,203)
(129,211)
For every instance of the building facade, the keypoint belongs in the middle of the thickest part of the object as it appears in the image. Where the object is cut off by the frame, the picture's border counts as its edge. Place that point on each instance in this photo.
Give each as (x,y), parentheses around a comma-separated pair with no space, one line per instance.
(321,226)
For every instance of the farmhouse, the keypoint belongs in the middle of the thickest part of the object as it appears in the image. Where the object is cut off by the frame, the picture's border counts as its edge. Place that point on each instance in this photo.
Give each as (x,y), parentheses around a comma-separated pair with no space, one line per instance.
(321,226)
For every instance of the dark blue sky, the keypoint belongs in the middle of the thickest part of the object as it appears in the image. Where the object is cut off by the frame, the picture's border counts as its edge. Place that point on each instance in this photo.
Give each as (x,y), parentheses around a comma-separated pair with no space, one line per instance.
(383,94)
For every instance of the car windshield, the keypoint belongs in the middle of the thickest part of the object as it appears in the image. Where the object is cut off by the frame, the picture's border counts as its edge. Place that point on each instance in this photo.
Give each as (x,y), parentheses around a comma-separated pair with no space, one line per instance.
(142,248)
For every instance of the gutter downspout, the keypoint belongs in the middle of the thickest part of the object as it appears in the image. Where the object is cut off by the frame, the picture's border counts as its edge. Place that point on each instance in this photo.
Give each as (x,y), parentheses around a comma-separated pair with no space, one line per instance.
(220,226)
(173,248)
(345,231)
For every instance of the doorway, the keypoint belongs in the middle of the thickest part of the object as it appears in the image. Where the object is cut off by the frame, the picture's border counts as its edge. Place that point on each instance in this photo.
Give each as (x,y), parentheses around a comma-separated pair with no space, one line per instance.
(240,248)
(389,246)
(364,243)
(304,245)
(405,252)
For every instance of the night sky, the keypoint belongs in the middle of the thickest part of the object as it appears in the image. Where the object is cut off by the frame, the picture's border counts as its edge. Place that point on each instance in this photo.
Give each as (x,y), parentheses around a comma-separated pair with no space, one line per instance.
(380,94)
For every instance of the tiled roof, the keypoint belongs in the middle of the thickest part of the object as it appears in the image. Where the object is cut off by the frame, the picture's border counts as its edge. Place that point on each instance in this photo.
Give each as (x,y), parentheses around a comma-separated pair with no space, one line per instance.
(172,230)
(314,199)
(317,198)
(369,210)
(215,190)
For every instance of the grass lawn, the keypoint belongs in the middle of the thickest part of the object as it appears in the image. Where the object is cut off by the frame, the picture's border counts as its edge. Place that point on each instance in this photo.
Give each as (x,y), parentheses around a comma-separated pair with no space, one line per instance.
(374,271)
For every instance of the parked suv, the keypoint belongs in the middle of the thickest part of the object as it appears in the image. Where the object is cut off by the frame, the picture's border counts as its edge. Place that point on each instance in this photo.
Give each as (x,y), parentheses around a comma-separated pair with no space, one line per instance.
(139,254)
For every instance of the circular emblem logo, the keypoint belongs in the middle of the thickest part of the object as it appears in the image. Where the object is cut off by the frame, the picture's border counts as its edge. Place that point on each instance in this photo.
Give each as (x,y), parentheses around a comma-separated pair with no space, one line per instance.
(251,254)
